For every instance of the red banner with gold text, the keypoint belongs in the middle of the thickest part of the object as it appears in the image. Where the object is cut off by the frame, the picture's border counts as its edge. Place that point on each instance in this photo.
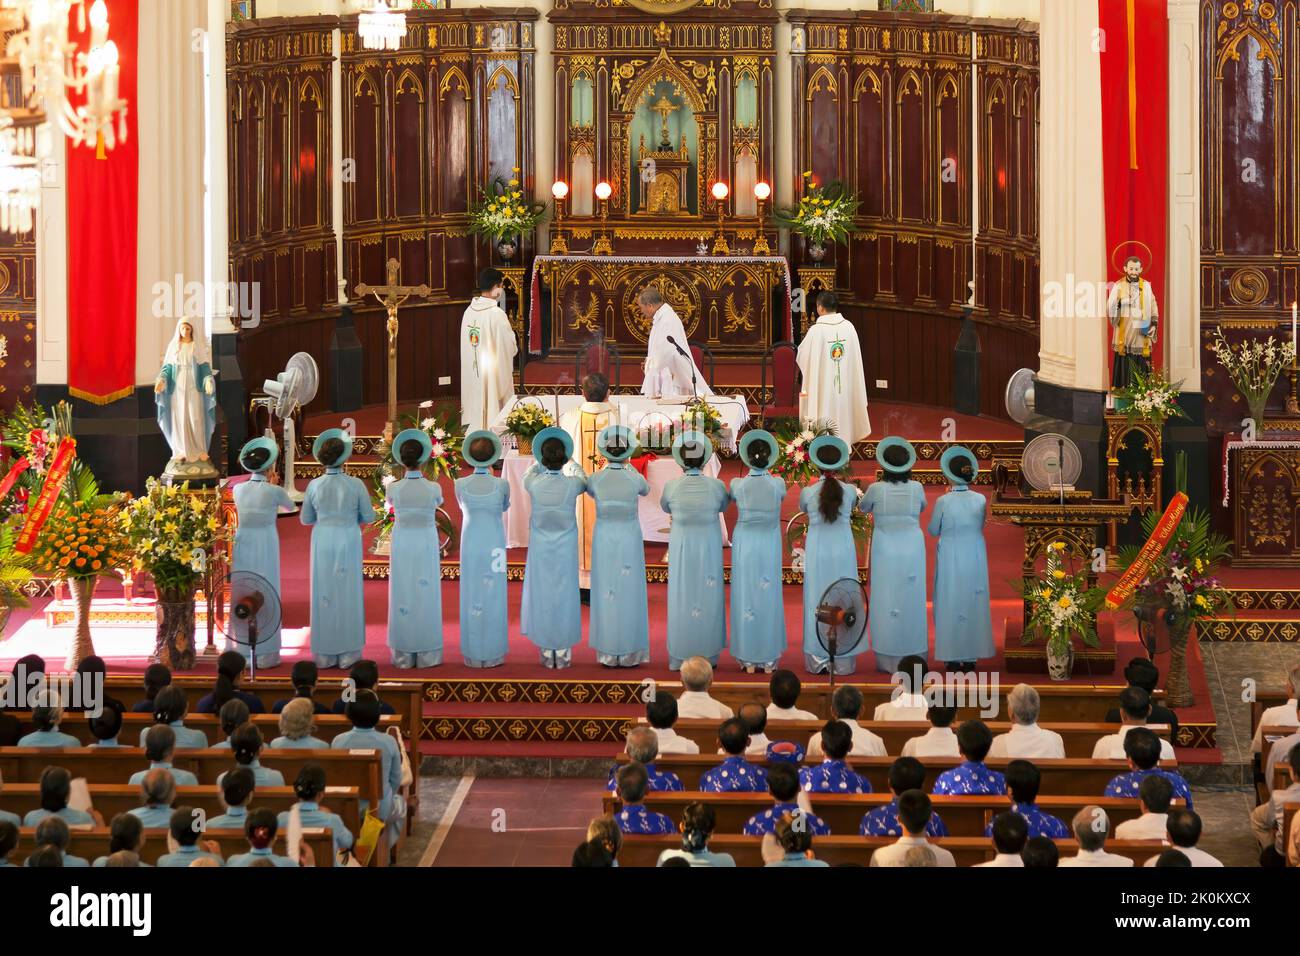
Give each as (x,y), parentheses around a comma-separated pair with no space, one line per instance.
(40,512)
(1155,546)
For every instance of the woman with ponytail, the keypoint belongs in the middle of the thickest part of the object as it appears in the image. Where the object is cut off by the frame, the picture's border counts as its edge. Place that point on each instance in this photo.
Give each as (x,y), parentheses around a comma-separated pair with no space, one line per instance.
(963,623)
(415,570)
(758,637)
(230,669)
(170,708)
(260,830)
(698,822)
(829,551)
(246,745)
(258,502)
(309,787)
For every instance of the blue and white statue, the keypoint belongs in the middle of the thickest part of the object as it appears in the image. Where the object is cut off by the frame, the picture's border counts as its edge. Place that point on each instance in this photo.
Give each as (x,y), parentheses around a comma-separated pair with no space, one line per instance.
(186,395)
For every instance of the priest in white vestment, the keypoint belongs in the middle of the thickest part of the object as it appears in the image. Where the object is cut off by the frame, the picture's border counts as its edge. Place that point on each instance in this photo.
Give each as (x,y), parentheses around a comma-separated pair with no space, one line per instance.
(585,423)
(834,383)
(667,369)
(487,355)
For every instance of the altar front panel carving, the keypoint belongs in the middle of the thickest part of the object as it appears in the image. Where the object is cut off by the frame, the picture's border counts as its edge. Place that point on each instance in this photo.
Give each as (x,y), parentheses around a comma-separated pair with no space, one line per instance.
(1266,504)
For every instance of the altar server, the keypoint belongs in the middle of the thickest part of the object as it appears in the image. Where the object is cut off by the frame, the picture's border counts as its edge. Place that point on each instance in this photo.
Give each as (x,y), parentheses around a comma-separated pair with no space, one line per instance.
(670,369)
(258,502)
(834,384)
(619,628)
(584,425)
(963,623)
(415,572)
(487,355)
(484,499)
(757,609)
(898,618)
(697,608)
(830,553)
(338,505)
(551,614)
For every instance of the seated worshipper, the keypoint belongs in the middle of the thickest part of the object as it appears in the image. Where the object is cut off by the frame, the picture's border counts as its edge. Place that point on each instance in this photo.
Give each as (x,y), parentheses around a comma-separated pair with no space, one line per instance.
(297,721)
(694,700)
(963,623)
(336,506)
(754,716)
(1155,794)
(484,499)
(1142,747)
(833,775)
(1269,818)
(631,784)
(1026,739)
(551,613)
(735,774)
(170,707)
(919,856)
(906,773)
(834,383)
(234,714)
(236,790)
(973,740)
(783,784)
(1010,833)
(908,701)
(1023,781)
(619,623)
(758,637)
(914,814)
(1040,853)
(126,834)
(1135,711)
(304,677)
(46,718)
(183,840)
(643,747)
(1283,715)
(53,834)
(585,425)
(898,621)
(364,715)
(604,830)
(260,830)
(1171,858)
(670,369)
(159,748)
(123,858)
(157,793)
(661,714)
(830,553)
(415,564)
(1278,753)
(1090,828)
(56,789)
(364,675)
(156,677)
(697,606)
(698,823)
(92,673)
(230,671)
(784,688)
(1144,674)
(105,728)
(259,501)
(846,706)
(939,740)
(789,845)
(246,745)
(1184,830)
(592,854)
(310,788)
(8,842)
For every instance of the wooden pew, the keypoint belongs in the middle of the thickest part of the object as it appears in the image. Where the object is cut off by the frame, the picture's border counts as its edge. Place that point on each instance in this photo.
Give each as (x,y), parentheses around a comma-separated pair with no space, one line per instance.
(327,727)
(1060,777)
(1289,811)
(843,812)
(91,844)
(1264,699)
(110,799)
(857,850)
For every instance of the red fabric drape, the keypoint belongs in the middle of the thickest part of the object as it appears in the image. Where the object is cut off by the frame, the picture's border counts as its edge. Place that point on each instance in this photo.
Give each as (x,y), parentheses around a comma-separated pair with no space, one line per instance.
(103,213)
(1135,138)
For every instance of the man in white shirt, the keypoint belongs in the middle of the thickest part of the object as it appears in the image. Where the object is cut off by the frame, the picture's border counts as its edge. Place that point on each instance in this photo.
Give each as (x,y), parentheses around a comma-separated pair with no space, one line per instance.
(1184,830)
(1134,709)
(939,740)
(669,368)
(661,713)
(908,701)
(846,705)
(784,688)
(1279,753)
(754,715)
(1010,834)
(1090,828)
(914,811)
(694,700)
(1026,739)
(1155,792)
(1283,715)
(1268,818)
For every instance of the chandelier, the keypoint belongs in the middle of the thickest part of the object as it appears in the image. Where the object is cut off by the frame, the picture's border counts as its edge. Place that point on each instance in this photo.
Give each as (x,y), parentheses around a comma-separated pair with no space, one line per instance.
(382,27)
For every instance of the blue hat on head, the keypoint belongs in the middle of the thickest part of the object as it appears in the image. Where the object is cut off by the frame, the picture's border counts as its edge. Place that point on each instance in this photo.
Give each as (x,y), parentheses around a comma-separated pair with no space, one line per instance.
(946,464)
(325,436)
(545,435)
(694,439)
(620,435)
(893,441)
(760,437)
(471,438)
(263,442)
(839,463)
(785,751)
(417,435)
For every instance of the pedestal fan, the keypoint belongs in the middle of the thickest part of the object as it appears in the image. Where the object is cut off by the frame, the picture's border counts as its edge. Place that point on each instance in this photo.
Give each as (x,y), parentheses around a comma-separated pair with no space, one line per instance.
(841,618)
(292,389)
(254,610)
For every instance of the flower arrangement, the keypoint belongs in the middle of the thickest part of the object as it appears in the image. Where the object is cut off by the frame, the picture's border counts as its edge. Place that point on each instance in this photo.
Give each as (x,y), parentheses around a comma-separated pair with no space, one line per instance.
(1151,398)
(824,213)
(445,435)
(1254,367)
(15,573)
(1183,577)
(525,421)
(1062,606)
(794,466)
(503,212)
(32,434)
(172,534)
(700,416)
(83,540)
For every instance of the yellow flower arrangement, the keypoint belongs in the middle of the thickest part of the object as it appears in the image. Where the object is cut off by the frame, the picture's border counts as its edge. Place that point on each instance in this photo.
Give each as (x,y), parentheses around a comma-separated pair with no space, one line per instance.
(172,533)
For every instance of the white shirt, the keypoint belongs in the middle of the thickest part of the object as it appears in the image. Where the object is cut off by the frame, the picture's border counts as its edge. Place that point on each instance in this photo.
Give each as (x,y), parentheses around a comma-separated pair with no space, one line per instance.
(903,707)
(865,743)
(1027,741)
(1096,858)
(1004,859)
(937,742)
(671,742)
(1149,826)
(1198,857)
(1273,812)
(893,854)
(698,703)
(1111,747)
(1284,715)
(788,713)
(1280,752)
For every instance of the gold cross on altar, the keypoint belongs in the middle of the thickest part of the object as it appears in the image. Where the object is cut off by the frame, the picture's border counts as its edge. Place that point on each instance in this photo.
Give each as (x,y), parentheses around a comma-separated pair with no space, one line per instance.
(665,108)
(392,296)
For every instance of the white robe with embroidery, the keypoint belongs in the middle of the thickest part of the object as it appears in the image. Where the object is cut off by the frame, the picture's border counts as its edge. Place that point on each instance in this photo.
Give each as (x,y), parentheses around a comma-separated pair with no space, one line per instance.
(834,384)
(487,355)
(667,371)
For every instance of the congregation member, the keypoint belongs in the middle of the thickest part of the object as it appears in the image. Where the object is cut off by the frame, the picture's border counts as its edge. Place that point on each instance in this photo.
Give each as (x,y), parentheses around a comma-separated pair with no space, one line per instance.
(631,784)
(905,774)
(46,718)
(833,774)
(735,774)
(1135,711)
(363,714)
(156,677)
(1010,833)
(758,636)
(754,716)
(363,675)
(236,789)
(309,788)
(908,701)
(260,830)
(697,607)
(830,553)
(619,623)
(336,506)
(1023,782)
(698,823)
(971,776)
(914,813)
(54,836)
(661,714)
(157,793)
(963,622)
(106,728)
(1183,830)
(1269,818)
(784,689)
(484,499)
(1143,673)
(789,845)
(56,790)
(125,835)
(170,707)
(159,748)
(1155,793)
(1091,825)
(230,671)
(1282,715)
(304,676)
(592,854)
(940,740)
(898,623)
(1041,853)
(585,425)
(414,563)
(1026,739)
(605,832)
(551,613)
(234,714)
(487,353)
(642,748)
(834,383)
(1171,858)
(13,818)
(1279,753)
(694,700)
(8,842)
(258,503)
(297,724)
(846,707)
(1142,747)
(184,846)
(92,673)
(783,785)
(246,746)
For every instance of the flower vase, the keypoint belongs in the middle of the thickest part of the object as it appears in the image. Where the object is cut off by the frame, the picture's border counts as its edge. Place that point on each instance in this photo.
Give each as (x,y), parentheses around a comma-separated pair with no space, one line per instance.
(174,642)
(525,447)
(506,249)
(1178,688)
(83,593)
(1257,411)
(816,251)
(1060,660)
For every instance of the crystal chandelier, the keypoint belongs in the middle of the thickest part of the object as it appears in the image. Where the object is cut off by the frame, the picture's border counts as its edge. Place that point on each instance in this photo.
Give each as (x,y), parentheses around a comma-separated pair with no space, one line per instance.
(382,27)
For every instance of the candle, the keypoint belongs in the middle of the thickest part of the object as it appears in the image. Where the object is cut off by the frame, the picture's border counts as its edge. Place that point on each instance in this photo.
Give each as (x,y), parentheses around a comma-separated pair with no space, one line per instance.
(1295,308)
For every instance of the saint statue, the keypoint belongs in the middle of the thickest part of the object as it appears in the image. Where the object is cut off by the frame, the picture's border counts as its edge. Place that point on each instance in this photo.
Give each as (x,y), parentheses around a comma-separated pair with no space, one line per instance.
(187,405)
(1134,317)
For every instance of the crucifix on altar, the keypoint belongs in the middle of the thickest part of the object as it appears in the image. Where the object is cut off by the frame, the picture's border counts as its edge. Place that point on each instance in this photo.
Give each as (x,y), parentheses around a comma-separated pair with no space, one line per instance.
(393,296)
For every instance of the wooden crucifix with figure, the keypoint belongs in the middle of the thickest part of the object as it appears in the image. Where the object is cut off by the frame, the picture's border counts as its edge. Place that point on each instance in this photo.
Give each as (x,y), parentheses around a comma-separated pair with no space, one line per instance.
(393,296)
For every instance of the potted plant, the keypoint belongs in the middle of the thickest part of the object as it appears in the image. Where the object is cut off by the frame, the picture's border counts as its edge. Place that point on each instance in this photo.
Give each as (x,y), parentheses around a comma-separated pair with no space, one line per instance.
(823,215)
(445,436)
(1254,367)
(1151,398)
(1061,607)
(503,213)
(525,422)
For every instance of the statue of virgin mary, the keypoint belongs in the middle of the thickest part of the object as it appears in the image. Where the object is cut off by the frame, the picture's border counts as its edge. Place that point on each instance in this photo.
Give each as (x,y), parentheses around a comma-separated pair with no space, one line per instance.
(187,405)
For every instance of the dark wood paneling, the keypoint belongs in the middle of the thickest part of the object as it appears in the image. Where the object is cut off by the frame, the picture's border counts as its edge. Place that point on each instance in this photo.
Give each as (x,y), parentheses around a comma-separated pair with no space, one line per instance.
(17,319)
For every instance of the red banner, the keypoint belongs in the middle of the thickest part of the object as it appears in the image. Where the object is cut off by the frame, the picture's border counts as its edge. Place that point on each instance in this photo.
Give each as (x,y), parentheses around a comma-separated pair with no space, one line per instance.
(1134,42)
(8,481)
(40,512)
(1155,546)
(103,211)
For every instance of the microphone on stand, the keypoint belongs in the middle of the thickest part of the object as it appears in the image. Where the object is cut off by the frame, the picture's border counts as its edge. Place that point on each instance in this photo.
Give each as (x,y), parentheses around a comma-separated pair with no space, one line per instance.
(680,351)
(695,389)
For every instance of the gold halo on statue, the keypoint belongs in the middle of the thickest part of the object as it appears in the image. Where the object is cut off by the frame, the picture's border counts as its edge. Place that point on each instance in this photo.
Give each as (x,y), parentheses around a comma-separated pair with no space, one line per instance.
(1118,264)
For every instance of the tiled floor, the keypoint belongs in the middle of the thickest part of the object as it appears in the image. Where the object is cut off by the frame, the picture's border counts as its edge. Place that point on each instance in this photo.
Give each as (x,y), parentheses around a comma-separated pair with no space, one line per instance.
(1231,671)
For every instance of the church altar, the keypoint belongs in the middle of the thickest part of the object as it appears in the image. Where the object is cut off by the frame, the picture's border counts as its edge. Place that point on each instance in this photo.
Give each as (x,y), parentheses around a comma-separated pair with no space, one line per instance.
(1264,477)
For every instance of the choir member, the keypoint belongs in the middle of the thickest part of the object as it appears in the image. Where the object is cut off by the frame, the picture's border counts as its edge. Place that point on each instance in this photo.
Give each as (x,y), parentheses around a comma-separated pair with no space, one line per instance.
(829,551)
(415,572)
(484,499)
(963,623)
(259,502)
(758,636)
(619,624)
